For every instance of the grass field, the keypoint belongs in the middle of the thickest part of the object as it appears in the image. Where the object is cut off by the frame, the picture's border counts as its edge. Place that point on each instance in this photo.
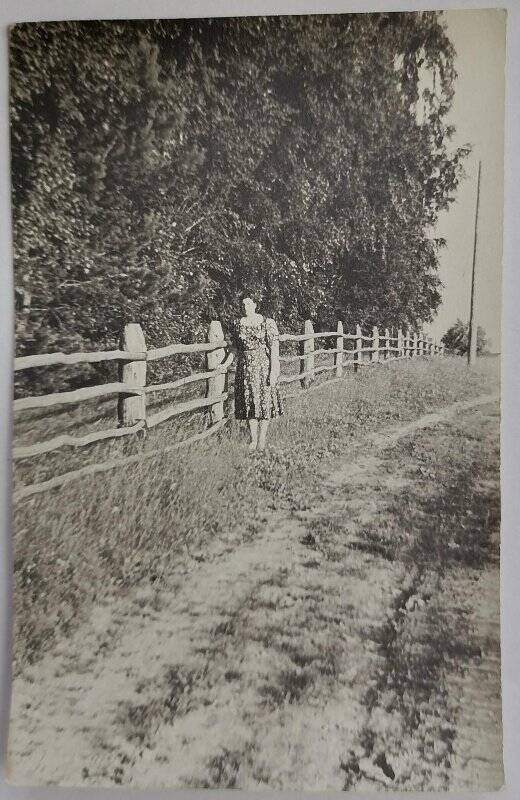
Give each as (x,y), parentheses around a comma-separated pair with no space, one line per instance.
(324,615)
(101,536)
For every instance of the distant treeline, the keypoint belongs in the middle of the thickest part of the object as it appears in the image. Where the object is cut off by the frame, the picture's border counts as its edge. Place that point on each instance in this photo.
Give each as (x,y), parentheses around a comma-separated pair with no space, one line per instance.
(162,169)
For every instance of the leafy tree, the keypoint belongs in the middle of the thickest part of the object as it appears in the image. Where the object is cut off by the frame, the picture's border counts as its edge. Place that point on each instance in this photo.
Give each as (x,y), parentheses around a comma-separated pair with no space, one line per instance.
(456,339)
(163,168)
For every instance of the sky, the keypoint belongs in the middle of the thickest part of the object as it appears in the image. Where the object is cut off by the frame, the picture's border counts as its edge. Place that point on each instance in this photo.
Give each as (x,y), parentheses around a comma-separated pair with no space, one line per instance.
(478,114)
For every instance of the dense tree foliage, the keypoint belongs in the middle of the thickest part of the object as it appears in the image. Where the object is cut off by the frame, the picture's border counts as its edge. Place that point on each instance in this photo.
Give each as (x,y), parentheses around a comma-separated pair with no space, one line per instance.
(456,339)
(163,168)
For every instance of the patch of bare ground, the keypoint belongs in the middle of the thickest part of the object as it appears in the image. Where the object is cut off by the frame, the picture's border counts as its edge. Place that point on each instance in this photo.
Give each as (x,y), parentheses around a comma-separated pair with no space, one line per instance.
(329,649)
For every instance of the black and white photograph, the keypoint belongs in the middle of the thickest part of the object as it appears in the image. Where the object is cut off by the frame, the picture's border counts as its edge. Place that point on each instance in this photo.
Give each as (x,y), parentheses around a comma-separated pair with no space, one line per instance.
(256,493)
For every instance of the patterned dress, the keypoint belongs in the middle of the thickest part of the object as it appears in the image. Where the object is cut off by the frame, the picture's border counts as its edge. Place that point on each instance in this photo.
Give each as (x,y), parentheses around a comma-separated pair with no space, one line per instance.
(254,397)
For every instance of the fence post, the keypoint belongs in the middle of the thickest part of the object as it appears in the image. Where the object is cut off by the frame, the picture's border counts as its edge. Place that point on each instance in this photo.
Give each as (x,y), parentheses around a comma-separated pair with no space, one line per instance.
(408,344)
(131,409)
(307,350)
(374,355)
(357,352)
(415,345)
(400,345)
(338,357)
(387,345)
(216,385)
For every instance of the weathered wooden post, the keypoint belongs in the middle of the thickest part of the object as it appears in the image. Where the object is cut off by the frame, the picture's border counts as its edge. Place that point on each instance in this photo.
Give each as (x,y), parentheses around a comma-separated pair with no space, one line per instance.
(338,357)
(400,343)
(387,345)
(358,355)
(307,350)
(408,343)
(374,355)
(131,408)
(216,385)
(415,345)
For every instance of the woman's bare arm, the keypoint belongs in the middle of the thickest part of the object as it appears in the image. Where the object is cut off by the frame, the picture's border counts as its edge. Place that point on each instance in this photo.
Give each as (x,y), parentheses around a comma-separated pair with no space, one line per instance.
(274,361)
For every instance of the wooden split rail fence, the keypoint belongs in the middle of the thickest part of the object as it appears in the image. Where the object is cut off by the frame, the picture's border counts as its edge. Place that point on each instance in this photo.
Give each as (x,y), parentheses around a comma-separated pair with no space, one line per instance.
(132,390)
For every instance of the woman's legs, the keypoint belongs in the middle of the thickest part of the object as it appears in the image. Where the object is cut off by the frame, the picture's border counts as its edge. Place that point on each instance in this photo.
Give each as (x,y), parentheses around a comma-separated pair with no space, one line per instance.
(253,430)
(258,432)
(264,424)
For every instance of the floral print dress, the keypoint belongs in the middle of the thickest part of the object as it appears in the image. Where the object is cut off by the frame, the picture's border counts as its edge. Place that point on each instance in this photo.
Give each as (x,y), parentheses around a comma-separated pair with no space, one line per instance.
(254,397)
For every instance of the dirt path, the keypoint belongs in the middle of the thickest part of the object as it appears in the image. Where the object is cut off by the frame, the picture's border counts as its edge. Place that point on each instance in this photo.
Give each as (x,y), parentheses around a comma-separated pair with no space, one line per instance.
(265,663)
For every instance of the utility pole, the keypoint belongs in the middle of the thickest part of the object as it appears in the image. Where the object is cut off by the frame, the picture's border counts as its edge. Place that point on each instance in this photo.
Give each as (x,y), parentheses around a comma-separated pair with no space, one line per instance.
(472,334)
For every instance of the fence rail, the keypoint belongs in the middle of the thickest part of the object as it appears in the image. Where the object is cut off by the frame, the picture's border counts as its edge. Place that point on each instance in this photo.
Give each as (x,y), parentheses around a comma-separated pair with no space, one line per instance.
(132,388)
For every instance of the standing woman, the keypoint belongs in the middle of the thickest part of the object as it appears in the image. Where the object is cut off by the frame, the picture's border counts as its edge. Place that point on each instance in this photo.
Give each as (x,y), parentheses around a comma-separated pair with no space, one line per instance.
(257,398)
